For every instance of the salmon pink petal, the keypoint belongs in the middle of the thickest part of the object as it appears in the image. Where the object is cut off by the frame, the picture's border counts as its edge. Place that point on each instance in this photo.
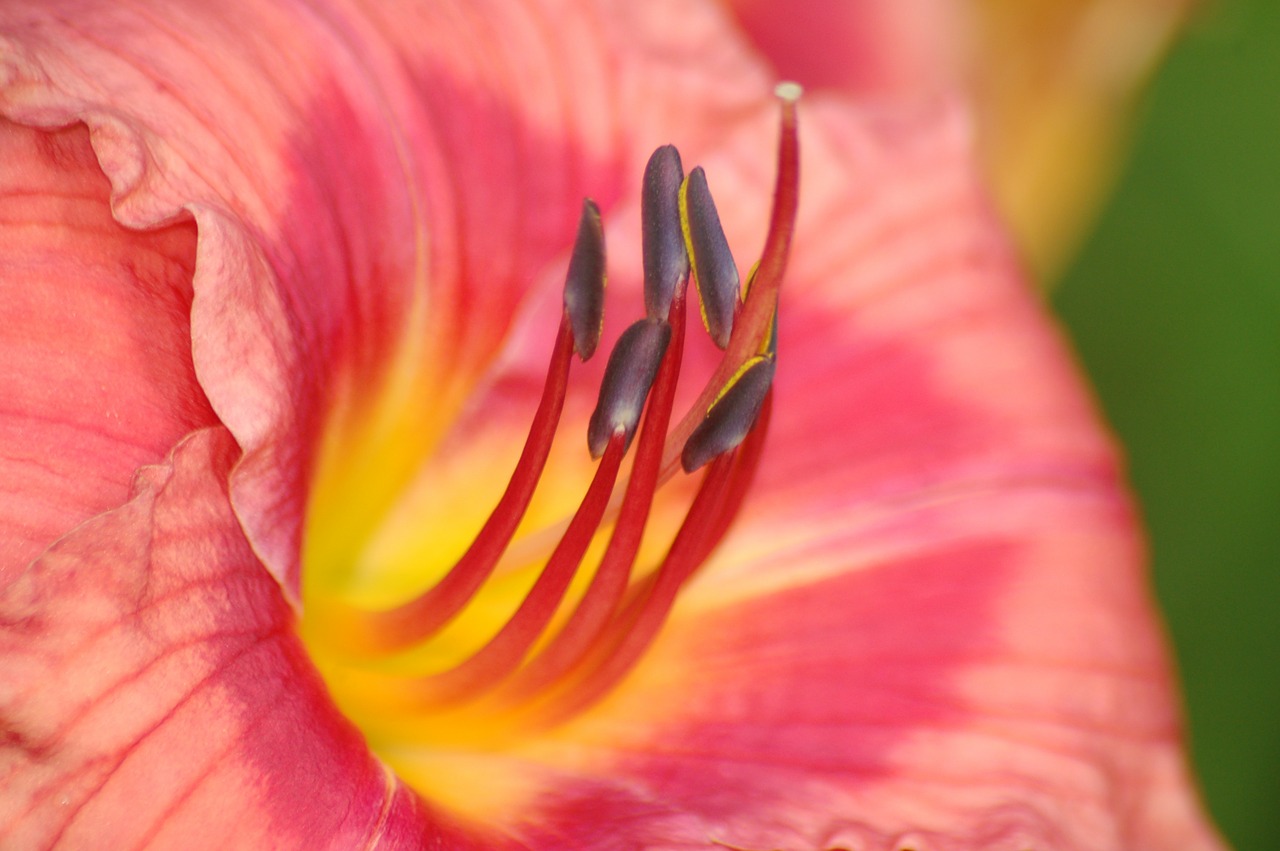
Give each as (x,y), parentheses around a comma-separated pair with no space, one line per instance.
(1053,85)
(875,48)
(147,656)
(194,720)
(97,376)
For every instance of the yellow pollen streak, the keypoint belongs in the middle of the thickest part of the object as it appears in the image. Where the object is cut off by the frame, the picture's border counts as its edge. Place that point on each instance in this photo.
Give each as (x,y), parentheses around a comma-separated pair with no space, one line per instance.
(735,378)
(750,279)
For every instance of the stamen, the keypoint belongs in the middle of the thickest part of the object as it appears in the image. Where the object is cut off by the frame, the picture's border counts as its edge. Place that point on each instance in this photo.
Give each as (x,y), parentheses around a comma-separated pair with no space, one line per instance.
(714,271)
(628,637)
(732,415)
(632,366)
(585,281)
(635,629)
(751,350)
(749,455)
(613,654)
(617,618)
(666,262)
(609,583)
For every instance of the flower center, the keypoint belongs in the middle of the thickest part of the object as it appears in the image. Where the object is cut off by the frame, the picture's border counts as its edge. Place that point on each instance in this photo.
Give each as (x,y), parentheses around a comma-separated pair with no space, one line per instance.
(577,633)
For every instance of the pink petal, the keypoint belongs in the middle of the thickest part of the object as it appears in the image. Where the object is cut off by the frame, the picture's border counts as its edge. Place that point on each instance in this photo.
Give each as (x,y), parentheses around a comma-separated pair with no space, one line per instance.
(872,47)
(1053,83)
(151,672)
(96,377)
(196,720)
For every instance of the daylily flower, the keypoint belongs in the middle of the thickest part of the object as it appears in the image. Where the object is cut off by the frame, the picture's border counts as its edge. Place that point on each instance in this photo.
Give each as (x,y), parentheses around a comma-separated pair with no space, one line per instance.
(281,285)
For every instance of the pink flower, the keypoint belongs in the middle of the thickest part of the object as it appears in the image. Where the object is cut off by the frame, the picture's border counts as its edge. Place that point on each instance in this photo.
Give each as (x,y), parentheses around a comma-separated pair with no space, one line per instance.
(273,369)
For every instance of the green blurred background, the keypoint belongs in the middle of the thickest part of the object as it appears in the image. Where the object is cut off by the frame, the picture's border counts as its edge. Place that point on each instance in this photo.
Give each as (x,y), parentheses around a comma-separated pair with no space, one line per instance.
(1174,305)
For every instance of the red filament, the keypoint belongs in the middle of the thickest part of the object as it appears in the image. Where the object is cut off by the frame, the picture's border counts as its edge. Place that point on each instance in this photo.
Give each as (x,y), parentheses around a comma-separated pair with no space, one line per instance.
(610,581)
(420,618)
(507,649)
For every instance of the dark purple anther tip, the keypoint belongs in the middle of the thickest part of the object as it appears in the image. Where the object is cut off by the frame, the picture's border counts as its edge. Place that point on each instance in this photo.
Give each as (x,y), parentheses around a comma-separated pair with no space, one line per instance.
(731,417)
(633,365)
(666,262)
(584,283)
(713,268)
